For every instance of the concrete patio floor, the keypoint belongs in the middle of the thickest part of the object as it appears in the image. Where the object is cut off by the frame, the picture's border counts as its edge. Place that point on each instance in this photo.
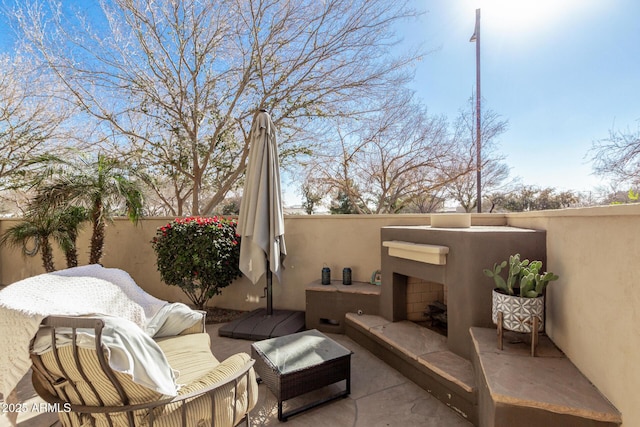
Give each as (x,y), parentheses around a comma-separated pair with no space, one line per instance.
(380,396)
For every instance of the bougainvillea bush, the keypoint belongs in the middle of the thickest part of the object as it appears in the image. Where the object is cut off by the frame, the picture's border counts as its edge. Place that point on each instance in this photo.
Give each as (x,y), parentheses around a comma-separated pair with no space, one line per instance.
(200,255)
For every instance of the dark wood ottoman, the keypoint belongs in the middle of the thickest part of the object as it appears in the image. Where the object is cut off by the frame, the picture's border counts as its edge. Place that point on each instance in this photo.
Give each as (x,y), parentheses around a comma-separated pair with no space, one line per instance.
(296,364)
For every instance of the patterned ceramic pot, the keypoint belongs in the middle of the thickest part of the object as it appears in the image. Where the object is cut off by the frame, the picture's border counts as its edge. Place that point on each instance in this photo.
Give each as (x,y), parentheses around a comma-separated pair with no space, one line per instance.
(518,312)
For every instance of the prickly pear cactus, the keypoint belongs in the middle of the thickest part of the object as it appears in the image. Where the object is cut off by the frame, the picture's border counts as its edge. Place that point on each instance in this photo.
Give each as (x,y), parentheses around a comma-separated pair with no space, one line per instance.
(495,274)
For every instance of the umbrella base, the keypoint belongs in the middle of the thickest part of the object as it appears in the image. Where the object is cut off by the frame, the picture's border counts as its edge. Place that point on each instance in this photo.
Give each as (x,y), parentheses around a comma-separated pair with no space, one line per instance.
(258,325)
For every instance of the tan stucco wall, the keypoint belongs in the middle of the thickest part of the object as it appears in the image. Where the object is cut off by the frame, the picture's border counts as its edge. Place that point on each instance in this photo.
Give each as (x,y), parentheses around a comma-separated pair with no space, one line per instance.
(593,309)
(127,247)
(335,240)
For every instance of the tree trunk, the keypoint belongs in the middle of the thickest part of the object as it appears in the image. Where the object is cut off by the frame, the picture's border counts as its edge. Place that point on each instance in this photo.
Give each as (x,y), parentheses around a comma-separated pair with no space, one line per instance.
(97,237)
(71,254)
(47,255)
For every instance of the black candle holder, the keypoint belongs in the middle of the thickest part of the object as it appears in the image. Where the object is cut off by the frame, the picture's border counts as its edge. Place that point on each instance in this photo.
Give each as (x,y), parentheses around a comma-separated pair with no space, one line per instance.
(326,276)
(346,276)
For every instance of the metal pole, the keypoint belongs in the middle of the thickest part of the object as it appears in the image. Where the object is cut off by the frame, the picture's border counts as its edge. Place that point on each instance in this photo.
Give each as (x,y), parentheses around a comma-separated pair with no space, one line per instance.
(269,290)
(478,117)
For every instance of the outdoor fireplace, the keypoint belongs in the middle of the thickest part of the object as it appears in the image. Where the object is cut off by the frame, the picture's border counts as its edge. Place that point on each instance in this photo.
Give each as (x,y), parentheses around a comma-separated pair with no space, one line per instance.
(452,258)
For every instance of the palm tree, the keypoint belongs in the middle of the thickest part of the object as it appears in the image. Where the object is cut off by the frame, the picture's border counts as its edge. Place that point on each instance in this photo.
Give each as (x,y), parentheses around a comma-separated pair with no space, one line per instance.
(37,228)
(105,187)
(43,225)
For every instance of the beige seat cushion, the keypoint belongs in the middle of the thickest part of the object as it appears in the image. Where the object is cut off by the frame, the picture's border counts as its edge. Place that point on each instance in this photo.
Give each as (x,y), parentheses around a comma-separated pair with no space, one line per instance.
(232,401)
(197,368)
(190,355)
(90,384)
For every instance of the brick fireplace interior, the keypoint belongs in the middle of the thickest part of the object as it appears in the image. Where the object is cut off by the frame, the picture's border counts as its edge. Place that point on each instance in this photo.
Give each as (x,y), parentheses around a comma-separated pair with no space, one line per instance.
(426,304)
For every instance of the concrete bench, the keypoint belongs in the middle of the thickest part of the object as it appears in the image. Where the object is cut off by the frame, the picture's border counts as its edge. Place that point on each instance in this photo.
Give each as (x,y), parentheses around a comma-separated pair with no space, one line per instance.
(326,305)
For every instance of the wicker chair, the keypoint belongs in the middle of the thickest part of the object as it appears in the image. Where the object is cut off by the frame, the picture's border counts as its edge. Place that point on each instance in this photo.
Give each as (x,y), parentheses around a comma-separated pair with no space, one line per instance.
(80,383)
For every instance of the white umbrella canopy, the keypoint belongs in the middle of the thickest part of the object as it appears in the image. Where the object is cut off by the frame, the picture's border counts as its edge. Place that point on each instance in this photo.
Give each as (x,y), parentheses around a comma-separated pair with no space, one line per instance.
(261,228)
(261,219)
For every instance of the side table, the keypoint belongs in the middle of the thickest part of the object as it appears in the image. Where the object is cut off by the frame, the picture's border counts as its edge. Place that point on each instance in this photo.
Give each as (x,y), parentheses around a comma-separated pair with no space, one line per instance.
(296,364)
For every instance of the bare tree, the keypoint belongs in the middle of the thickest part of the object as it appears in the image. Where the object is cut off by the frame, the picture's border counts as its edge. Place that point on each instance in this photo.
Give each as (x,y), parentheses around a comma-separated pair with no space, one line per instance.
(494,171)
(312,197)
(389,160)
(426,202)
(530,198)
(180,81)
(31,118)
(618,156)
(610,194)
(463,190)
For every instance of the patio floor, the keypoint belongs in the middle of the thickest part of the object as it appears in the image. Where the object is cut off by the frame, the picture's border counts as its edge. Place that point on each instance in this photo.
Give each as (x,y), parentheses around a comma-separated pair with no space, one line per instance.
(380,396)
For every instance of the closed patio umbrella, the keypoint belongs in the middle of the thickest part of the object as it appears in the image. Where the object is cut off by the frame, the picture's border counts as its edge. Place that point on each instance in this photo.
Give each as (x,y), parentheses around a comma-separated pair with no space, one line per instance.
(261,228)
(261,220)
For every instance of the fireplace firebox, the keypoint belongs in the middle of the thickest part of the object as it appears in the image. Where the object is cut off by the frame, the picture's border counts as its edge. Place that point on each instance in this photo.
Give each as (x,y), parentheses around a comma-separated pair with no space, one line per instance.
(427,304)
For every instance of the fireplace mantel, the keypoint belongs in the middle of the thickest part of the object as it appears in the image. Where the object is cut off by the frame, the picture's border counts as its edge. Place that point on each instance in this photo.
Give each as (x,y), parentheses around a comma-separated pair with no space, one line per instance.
(420,252)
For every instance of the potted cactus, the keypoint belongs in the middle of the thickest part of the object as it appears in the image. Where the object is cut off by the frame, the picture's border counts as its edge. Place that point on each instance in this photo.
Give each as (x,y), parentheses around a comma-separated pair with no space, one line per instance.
(520,297)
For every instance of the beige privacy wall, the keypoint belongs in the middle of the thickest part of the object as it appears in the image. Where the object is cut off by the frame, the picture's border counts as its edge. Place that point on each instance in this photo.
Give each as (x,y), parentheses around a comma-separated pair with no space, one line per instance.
(312,241)
(593,310)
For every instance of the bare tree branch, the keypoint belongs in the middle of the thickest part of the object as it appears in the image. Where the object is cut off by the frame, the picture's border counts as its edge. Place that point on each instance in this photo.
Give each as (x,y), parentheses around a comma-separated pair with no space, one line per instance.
(618,156)
(32,118)
(192,74)
(391,159)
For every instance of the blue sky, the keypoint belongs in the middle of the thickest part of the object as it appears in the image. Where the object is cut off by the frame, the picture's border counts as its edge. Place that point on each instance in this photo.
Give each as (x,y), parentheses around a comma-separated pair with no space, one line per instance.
(563,72)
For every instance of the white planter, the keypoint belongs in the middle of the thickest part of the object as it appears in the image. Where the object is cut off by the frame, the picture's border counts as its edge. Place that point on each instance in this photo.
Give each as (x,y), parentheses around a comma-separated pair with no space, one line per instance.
(518,312)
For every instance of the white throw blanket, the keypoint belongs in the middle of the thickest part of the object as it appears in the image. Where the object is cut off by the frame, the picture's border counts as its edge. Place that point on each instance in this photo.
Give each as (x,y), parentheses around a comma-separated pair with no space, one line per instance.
(78,291)
(150,304)
(130,351)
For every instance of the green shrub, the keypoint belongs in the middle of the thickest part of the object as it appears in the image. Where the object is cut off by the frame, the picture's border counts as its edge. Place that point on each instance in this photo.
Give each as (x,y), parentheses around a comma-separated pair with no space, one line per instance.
(200,255)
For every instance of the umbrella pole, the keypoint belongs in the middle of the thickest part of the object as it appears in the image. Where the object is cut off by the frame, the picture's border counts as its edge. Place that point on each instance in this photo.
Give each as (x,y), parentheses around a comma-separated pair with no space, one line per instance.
(269,291)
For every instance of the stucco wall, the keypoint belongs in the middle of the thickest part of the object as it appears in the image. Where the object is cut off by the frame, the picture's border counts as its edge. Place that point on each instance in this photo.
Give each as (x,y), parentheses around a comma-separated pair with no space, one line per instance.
(593,310)
(335,240)
(126,246)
